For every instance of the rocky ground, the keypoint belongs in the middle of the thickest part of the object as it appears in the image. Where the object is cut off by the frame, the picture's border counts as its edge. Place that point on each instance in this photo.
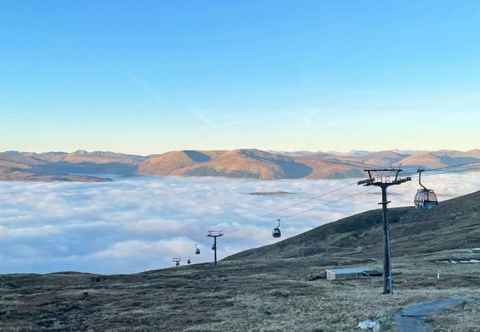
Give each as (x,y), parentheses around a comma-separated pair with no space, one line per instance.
(281,295)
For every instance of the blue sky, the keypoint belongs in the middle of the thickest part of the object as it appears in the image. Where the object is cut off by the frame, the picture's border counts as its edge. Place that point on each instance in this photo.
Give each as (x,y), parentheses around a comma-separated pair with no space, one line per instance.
(151,76)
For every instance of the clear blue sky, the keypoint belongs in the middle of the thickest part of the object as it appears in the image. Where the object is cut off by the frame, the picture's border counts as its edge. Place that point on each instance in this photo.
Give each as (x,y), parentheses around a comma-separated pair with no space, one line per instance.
(149,76)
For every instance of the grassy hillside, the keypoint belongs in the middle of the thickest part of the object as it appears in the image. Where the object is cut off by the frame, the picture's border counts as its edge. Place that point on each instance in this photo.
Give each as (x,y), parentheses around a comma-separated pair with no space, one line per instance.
(454,224)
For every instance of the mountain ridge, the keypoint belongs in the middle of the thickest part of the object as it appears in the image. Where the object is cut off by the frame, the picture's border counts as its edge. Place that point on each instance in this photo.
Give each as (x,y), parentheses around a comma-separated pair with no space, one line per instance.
(240,163)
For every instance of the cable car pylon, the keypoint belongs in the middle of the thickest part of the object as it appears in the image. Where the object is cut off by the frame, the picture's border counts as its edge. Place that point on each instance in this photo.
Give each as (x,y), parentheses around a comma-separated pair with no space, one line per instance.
(215,235)
(177,261)
(384,178)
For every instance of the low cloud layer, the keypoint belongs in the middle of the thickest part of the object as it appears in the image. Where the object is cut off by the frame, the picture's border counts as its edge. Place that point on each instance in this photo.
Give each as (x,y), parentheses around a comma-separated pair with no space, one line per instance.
(139,224)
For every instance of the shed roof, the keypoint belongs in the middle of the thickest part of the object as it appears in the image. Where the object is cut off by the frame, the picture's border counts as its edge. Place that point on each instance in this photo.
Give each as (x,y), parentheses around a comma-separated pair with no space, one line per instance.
(348,270)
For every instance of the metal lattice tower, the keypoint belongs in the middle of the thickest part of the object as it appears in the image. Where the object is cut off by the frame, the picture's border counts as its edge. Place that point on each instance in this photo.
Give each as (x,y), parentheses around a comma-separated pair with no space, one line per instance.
(385,178)
(215,235)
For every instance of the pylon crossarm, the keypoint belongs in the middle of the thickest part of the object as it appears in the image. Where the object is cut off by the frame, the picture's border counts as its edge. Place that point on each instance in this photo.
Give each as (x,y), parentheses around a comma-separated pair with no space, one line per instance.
(385,203)
(367,182)
(215,233)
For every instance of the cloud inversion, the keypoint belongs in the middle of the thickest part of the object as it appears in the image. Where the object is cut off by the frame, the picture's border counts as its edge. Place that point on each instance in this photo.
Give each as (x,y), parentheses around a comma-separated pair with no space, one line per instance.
(138,224)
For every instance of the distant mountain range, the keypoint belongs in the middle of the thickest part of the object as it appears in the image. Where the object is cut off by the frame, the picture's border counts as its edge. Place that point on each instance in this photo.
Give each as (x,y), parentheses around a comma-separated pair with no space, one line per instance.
(59,166)
(243,163)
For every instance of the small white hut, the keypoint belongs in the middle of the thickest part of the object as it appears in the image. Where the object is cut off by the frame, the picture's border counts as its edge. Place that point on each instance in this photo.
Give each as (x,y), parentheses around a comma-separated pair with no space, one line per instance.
(351,273)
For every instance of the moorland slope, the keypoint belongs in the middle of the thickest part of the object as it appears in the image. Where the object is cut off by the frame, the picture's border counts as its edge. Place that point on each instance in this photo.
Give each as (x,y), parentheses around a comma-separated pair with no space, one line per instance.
(280,287)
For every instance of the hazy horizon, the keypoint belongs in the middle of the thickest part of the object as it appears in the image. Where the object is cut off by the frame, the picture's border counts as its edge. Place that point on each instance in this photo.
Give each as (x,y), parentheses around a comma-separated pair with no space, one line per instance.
(241,148)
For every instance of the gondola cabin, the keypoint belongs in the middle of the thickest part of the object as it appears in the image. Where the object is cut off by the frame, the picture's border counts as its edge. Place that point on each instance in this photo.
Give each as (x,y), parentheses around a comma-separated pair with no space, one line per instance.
(425,198)
(277,233)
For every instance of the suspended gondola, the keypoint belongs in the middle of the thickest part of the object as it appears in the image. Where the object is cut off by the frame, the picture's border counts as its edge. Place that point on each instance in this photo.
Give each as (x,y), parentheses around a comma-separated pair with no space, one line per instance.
(197,250)
(276,233)
(425,198)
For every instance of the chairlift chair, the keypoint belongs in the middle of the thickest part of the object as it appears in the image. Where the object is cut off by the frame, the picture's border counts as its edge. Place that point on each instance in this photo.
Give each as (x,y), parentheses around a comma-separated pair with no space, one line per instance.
(425,197)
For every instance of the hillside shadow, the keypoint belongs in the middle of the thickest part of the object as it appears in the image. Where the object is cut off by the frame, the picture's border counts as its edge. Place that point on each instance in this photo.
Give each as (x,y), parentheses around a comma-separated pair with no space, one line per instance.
(196,156)
(289,167)
(294,170)
(86,168)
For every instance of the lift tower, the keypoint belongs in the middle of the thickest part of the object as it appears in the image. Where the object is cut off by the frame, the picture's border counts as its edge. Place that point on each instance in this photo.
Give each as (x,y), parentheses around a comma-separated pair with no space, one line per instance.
(385,178)
(177,261)
(215,234)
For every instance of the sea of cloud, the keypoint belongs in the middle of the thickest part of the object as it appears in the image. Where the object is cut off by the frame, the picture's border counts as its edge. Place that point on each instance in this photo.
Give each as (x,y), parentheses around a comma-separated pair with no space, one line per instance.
(138,224)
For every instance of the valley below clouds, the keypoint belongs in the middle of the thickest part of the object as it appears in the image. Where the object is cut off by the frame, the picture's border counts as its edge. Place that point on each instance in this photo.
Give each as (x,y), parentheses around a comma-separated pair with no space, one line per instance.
(137,224)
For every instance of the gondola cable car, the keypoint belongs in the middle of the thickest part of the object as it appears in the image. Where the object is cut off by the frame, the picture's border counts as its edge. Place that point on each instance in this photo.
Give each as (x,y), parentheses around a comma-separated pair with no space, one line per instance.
(425,197)
(197,250)
(276,233)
